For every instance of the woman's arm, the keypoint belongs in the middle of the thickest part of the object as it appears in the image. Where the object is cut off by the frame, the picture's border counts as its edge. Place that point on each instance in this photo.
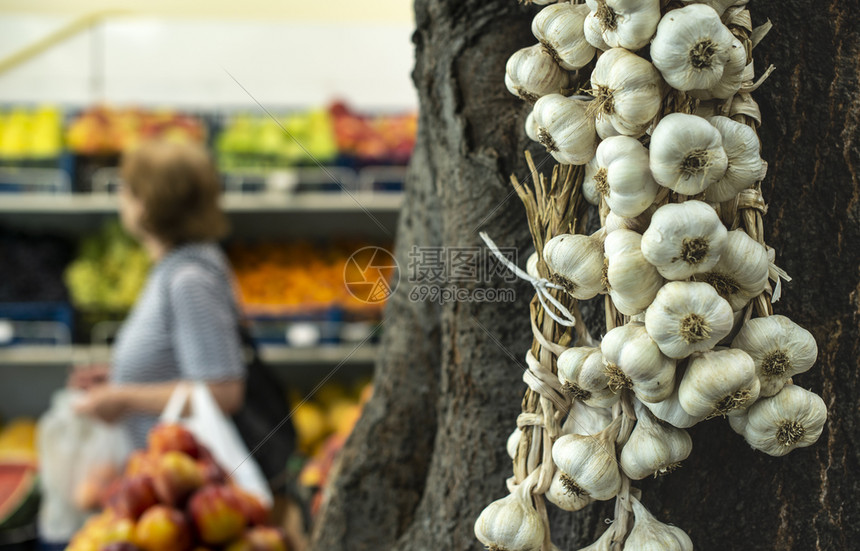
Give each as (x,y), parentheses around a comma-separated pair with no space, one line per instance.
(111,402)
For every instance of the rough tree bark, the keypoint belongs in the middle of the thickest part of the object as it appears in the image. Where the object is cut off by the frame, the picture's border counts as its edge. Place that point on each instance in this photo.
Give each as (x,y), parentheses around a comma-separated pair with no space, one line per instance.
(428,454)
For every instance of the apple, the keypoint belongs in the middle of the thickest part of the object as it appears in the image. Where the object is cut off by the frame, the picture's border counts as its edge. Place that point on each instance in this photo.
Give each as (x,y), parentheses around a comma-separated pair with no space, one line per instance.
(162,528)
(135,495)
(217,514)
(120,546)
(139,462)
(176,476)
(172,437)
(253,509)
(266,538)
(212,471)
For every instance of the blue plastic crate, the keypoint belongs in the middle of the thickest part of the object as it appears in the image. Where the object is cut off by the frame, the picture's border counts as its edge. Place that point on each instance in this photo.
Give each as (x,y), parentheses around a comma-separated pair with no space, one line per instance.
(57,312)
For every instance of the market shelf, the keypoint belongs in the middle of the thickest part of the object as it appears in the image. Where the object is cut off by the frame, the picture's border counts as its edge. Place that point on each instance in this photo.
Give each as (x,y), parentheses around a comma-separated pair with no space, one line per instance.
(273,355)
(103,203)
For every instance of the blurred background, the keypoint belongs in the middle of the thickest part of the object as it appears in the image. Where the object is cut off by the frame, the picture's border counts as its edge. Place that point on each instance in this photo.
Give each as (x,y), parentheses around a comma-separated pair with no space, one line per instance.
(310,114)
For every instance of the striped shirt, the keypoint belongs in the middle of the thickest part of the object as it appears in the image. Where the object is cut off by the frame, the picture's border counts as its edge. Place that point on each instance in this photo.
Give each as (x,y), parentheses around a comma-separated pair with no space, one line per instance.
(183,327)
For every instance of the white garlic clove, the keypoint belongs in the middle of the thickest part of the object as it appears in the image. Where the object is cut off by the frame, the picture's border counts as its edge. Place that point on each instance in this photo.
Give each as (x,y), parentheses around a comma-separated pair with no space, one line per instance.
(718,5)
(603,543)
(559,29)
(575,262)
(626,24)
(633,281)
(741,273)
(686,153)
(793,418)
(560,496)
(628,91)
(532,265)
(687,317)
(654,447)
(532,73)
(620,174)
(604,127)
(745,166)
(586,420)
(684,239)
(670,410)
(583,377)
(693,49)
(513,442)
(649,534)
(511,523)
(718,382)
(739,422)
(780,349)
(588,463)
(638,224)
(566,128)
(633,360)
(531,127)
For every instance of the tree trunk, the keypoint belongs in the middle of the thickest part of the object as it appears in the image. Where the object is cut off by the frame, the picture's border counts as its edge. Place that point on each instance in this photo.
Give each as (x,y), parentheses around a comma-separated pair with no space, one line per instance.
(429,451)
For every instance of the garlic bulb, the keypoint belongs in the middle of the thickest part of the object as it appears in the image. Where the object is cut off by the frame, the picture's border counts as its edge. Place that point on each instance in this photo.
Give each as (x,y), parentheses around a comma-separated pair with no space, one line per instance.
(576,262)
(513,442)
(633,281)
(586,420)
(566,129)
(654,448)
(741,273)
(511,523)
(633,360)
(626,24)
(588,463)
(532,265)
(532,72)
(603,543)
(745,166)
(670,410)
(583,377)
(604,128)
(560,496)
(649,534)
(686,153)
(718,5)
(780,349)
(717,382)
(684,239)
(793,418)
(638,224)
(620,174)
(687,317)
(532,127)
(628,91)
(559,29)
(694,51)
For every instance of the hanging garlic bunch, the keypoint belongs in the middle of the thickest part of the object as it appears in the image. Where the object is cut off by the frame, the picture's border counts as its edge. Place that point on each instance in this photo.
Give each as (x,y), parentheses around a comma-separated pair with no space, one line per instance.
(633,281)
(511,523)
(565,128)
(684,239)
(780,349)
(741,272)
(628,24)
(576,263)
(696,53)
(633,360)
(588,464)
(687,154)
(532,73)
(793,418)
(745,167)
(628,91)
(619,173)
(559,30)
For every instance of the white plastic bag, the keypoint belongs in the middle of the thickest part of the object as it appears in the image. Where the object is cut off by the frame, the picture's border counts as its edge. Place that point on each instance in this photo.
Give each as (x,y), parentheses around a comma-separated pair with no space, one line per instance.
(217,432)
(77,455)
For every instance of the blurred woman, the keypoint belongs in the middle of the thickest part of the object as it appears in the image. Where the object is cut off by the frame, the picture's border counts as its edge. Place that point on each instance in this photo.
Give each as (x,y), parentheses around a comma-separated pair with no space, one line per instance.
(184,325)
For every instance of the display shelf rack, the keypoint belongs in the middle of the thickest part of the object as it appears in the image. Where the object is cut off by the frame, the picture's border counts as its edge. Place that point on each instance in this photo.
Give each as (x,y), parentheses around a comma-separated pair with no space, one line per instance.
(25,356)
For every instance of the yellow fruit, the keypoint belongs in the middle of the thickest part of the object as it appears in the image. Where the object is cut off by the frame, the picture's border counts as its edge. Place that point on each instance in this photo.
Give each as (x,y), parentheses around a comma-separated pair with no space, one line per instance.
(311,425)
(343,416)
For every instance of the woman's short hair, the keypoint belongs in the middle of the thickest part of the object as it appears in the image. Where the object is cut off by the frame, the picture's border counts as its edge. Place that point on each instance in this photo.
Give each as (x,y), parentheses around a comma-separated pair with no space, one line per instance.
(179,188)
